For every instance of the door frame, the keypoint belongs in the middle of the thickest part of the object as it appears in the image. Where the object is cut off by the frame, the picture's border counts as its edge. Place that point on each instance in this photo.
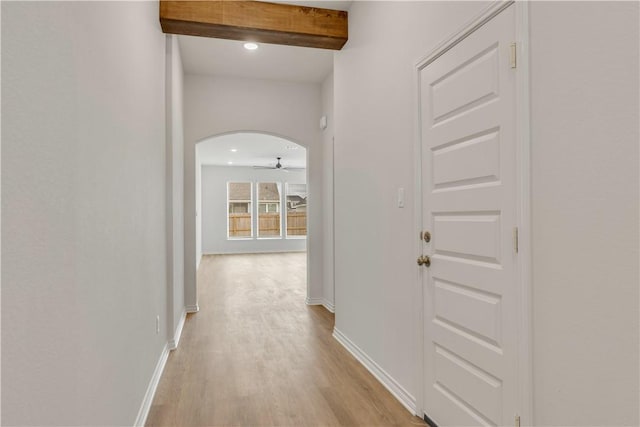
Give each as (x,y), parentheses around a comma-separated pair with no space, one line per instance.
(523,201)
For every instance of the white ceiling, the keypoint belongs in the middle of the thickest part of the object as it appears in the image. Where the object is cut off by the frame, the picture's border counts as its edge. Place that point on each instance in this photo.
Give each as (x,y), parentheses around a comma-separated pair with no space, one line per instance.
(253,149)
(201,55)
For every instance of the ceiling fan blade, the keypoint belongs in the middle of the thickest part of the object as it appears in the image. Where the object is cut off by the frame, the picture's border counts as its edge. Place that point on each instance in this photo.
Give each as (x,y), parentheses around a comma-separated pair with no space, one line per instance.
(279,166)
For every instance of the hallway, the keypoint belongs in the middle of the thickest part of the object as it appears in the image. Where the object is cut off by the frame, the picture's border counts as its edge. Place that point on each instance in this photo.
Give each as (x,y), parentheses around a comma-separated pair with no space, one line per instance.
(257,355)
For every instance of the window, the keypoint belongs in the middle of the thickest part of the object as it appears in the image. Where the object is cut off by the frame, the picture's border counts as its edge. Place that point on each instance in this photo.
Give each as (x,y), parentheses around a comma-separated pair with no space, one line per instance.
(296,209)
(239,209)
(269,209)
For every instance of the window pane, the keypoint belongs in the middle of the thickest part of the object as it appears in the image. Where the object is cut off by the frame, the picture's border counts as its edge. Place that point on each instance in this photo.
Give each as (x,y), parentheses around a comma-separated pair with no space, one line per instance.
(239,201)
(268,209)
(296,209)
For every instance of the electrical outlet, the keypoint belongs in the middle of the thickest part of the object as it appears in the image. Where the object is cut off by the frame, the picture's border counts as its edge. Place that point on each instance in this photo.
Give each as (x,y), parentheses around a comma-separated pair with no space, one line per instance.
(157,324)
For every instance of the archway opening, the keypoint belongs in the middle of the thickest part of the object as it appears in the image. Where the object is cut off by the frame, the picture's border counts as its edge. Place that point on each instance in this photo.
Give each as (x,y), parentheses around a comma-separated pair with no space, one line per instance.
(251,196)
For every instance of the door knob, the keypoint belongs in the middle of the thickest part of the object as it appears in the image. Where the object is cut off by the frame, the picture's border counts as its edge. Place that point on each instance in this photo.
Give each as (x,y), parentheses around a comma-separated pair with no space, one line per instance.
(424,260)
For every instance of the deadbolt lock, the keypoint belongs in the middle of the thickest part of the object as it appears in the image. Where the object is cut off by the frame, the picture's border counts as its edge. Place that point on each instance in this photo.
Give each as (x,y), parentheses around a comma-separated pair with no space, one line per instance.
(426,236)
(424,260)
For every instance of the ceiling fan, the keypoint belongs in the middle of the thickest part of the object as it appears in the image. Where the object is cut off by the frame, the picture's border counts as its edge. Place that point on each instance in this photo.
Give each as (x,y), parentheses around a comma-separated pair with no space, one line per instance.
(278,166)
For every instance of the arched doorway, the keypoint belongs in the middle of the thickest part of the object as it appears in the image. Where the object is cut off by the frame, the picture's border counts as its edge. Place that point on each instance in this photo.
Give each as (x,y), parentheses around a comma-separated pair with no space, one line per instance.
(251,197)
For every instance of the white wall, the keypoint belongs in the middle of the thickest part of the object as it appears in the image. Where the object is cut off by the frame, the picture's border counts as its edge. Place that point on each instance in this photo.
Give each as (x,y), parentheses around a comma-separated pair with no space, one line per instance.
(175,186)
(198,213)
(585,197)
(584,98)
(214,210)
(327,192)
(217,105)
(374,137)
(83,210)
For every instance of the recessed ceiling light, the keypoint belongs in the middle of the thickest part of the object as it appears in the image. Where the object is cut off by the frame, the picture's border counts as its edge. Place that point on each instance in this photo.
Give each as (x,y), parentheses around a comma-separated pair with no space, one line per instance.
(233,150)
(229,163)
(250,46)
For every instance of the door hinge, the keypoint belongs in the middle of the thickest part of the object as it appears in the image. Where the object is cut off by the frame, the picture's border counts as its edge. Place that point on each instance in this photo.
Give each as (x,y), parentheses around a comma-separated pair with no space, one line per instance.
(513,55)
(515,239)
(517,421)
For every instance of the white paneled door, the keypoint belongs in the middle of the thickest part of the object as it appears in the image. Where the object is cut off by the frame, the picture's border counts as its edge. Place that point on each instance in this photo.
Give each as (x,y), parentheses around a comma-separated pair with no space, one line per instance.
(468,131)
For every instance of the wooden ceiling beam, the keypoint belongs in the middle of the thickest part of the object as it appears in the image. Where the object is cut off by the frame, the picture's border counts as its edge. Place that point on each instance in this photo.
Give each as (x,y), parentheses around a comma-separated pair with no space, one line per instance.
(256,21)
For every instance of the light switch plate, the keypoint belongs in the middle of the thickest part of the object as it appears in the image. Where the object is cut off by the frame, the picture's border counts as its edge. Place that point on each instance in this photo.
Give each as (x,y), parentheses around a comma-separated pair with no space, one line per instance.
(323,122)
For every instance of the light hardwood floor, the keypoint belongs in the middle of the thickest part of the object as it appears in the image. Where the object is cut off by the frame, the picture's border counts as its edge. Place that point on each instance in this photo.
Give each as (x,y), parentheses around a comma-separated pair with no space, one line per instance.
(256,355)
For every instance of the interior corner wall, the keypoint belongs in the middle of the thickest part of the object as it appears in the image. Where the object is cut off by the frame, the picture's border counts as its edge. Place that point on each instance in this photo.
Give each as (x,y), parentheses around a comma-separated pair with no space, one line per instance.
(175,186)
(327,191)
(214,210)
(585,183)
(584,166)
(375,269)
(219,105)
(83,210)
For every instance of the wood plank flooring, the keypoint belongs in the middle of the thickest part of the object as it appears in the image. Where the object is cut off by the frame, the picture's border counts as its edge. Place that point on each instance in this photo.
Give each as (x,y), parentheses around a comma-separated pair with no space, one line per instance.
(256,355)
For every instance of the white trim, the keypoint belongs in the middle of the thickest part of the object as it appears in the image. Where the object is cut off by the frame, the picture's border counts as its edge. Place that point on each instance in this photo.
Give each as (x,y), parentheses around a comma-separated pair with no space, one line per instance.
(143,413)
(192,308)
(314,301)
(418,297)
(254,252)
(523,198)
(296,237)
(482,18)
(523,153)
(310,224)
(173,343)
(333,211)
(394,387)
(321,301)
(198,261)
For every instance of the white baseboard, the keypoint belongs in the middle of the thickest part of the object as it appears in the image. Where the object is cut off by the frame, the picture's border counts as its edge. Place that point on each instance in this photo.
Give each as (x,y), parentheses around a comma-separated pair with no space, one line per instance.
(328,305)
(173,343)
(314,301)
(192,308)
(258,252)
(321,301)
(143,413)
(399,392)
